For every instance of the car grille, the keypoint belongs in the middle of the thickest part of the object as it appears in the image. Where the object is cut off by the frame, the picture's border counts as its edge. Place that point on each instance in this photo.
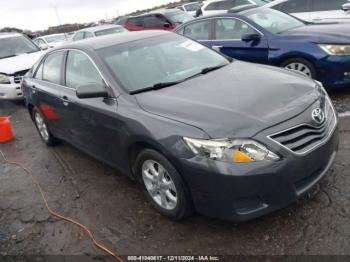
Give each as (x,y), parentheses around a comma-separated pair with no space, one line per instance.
(18,76)
(305,137)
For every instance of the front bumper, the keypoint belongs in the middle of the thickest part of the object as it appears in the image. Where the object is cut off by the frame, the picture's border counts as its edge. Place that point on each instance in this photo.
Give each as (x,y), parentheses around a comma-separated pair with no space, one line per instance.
(240,192)
(11,91)
(334,71)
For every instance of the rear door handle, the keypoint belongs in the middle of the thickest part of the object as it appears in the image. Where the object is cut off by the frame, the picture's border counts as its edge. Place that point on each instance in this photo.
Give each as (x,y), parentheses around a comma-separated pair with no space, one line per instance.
(217,48)
(65,100)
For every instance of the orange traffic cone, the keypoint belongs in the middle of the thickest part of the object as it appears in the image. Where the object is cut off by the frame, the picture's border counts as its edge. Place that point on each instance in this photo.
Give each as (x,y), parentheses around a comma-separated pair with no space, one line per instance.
(6,133)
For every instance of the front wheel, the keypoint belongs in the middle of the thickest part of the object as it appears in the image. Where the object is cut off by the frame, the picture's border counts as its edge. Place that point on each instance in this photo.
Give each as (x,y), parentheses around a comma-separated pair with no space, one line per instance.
(163,185)
(301,65)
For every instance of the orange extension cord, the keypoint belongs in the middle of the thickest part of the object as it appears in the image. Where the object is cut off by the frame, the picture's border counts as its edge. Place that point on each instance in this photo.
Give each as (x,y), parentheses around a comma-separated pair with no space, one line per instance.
(57,215)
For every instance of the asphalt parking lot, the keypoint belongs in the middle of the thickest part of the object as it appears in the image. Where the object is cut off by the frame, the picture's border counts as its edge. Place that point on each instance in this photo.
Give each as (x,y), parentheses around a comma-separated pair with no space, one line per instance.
(120,217)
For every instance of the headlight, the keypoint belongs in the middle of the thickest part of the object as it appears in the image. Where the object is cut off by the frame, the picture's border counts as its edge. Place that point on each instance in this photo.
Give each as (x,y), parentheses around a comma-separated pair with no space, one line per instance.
(336,49)
(4,79)
(236,150)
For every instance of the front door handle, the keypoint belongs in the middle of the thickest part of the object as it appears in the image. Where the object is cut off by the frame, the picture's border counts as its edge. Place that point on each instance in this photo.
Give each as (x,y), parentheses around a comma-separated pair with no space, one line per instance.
(33,87)
(65,100)
(217,48)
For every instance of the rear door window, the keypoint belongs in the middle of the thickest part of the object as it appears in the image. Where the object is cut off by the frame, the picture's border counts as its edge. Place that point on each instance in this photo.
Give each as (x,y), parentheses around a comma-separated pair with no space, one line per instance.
(154,21)
(226,29)
(81,71)
(198,30)
(51,71)
(136,21)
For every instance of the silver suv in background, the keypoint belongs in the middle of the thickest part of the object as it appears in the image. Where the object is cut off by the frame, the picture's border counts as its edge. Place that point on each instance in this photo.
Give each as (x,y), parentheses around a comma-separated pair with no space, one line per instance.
(17,55)
(315,10)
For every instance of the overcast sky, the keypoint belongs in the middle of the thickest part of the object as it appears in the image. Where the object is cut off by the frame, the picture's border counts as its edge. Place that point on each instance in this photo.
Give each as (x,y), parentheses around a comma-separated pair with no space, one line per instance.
(40,14)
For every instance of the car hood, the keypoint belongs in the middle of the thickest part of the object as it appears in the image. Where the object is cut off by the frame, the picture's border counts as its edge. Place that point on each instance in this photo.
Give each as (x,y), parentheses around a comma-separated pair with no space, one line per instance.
(238,100)
(323,33)
(18,63)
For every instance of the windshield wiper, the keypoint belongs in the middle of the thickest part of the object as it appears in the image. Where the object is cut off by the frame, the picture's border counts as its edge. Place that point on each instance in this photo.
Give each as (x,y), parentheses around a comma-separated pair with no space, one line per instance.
(7,56)
(156,87)
(212,68)
(167,84)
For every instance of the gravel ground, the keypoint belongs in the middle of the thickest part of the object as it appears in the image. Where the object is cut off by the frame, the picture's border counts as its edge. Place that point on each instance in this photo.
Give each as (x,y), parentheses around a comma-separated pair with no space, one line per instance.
(116,210)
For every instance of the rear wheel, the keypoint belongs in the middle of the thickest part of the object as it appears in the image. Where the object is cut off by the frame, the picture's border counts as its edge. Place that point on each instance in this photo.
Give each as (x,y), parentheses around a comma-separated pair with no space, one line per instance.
(301,65)
(42,128)
(163,185)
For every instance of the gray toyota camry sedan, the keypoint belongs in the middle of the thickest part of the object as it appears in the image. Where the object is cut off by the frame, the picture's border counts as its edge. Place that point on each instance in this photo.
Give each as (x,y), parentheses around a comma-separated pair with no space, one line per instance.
(199,131)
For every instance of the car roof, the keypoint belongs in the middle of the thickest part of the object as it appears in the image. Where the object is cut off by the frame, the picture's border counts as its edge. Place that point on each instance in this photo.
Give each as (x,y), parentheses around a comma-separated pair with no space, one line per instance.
(99,28)
(44,36)
(111,40)
(11,34)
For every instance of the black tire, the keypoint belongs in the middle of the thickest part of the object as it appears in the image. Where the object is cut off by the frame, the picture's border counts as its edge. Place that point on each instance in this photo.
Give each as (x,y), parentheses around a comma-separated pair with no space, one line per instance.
(50,140)
(309,65)
(184,206)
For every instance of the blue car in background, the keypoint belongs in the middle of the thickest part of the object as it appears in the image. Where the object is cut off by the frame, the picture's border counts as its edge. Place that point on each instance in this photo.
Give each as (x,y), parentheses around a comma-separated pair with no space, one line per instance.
(266,36)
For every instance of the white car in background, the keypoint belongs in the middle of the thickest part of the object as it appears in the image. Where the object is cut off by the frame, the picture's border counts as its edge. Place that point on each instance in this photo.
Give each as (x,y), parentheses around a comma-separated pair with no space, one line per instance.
(98,31)
(50,41)
(17,56)
(214,7)
(190,8)
(315,10)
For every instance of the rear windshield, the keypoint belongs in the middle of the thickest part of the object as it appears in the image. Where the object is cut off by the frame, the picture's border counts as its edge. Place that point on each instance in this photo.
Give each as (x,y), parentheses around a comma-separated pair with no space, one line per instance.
(13,46)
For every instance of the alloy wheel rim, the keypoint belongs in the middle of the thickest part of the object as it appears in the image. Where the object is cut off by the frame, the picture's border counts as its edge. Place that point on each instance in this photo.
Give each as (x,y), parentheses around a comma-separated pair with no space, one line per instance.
(300,67)
(40,123)
(159,184)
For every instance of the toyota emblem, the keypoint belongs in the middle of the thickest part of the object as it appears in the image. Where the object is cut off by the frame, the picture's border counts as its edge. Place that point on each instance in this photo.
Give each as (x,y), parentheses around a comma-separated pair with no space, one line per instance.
(318,115)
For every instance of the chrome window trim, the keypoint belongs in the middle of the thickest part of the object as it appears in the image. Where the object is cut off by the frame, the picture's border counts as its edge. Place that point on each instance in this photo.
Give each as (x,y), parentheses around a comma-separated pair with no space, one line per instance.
(195,22)
(72,49)
(322,142)
(236,18)
(220,17)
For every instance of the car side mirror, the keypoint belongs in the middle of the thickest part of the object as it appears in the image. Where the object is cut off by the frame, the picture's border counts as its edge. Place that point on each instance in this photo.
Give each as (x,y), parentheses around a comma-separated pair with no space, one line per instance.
(250,37)
(92,91)
(346,7)
(43,46)
(167,25)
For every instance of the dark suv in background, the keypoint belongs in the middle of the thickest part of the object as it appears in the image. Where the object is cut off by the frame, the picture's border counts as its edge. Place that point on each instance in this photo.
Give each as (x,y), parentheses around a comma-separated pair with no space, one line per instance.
(167,19)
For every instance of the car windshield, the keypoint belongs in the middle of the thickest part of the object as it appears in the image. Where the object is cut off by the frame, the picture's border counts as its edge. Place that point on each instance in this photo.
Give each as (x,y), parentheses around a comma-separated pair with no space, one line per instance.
(179,18)
(169,58)
(55,38)
(109,31)
(13,46)
(273,21)
(192,7)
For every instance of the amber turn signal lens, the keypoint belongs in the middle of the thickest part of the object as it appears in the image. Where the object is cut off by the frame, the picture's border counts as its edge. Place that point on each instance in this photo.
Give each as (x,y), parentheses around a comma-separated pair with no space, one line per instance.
(239,157)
